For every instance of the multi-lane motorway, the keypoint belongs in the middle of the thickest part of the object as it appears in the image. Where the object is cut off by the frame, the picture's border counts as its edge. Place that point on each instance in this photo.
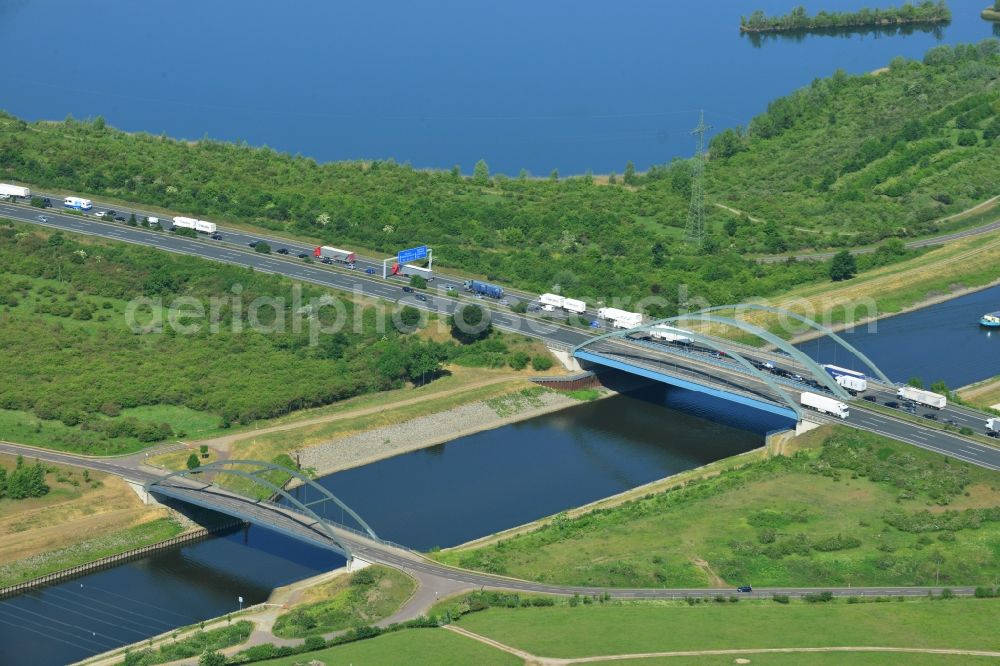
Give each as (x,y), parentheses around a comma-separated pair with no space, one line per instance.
(234,249)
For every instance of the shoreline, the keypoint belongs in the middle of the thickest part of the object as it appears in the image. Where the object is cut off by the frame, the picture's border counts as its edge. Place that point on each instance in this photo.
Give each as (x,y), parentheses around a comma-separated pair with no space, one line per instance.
(657,485)
(348,452)
(919,305)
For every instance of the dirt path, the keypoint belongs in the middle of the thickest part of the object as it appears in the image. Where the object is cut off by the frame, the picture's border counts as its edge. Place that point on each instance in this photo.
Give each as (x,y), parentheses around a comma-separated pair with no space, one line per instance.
(534,660)
(224,443)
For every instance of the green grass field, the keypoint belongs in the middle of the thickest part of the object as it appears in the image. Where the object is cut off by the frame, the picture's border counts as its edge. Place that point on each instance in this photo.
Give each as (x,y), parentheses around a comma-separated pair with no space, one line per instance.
(364,598)
(89,550)
(413,647)
(809,520)
(563,631)
(817,659)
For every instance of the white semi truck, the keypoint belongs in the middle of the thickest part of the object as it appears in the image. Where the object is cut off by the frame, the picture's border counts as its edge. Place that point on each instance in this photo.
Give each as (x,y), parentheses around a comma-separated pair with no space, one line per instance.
(550,302)
(824,405)
(203,226)
(620,318)
(14,191)
(852,380)
(665,333)
(993,425)
(922,397)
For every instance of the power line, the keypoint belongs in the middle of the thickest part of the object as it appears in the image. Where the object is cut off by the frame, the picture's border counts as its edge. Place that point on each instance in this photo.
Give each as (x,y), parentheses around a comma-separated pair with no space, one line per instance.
(695,231)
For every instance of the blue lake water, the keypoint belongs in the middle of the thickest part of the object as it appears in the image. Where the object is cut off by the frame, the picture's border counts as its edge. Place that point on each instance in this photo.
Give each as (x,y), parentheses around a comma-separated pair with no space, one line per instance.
(567,84)
(943,342)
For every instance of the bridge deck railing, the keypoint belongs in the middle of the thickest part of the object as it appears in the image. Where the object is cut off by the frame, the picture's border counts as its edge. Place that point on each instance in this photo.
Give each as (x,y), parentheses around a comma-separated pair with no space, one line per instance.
(681,352)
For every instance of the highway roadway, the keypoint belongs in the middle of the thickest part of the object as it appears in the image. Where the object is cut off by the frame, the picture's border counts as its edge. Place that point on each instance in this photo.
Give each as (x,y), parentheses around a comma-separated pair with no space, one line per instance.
(362,546)
(337,277)
(725,373)
(445,303)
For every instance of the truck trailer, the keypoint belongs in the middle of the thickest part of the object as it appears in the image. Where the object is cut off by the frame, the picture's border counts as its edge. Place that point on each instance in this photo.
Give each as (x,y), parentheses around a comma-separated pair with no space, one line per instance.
(484,288)
(335,254)
(620,318)
(14,190)
(824,405)
(550,302)
(665,333)
(574,306)
(993,425)
(851,380)
(409,269)
(922,397)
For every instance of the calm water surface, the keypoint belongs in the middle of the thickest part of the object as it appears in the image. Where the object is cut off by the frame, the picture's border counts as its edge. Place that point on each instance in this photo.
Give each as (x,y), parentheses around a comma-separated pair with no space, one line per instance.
(942,342)
(441,496)
(567,84)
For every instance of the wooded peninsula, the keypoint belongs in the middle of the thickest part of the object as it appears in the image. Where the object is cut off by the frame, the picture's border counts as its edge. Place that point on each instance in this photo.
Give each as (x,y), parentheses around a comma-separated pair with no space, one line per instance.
(926,12)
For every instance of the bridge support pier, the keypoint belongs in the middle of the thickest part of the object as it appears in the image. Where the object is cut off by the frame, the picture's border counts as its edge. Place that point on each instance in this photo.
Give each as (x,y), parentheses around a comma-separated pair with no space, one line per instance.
(139,488)
(567,359)
(357,564)
(805,425)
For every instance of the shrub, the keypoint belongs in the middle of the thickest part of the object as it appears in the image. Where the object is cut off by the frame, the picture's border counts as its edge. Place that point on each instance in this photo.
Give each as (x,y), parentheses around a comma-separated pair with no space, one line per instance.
(780,598)
(818,597)
(541,363)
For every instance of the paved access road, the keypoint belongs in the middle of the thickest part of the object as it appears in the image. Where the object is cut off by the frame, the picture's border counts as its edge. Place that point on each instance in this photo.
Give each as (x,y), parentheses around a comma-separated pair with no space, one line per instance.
(362,546)
(923,242)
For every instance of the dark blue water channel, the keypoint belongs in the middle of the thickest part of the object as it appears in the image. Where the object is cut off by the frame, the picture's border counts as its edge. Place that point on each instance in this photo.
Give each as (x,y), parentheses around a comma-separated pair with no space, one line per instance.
(567,84)
(440,496)
(943,342)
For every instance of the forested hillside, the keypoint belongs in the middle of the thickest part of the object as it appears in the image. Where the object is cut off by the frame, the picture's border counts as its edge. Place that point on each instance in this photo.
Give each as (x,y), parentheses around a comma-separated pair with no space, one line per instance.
(846,161)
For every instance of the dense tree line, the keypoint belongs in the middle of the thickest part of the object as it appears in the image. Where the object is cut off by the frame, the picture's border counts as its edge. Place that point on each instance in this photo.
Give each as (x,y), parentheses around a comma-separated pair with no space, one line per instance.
(927,11)
(83,371)
(840,163)
(23,481)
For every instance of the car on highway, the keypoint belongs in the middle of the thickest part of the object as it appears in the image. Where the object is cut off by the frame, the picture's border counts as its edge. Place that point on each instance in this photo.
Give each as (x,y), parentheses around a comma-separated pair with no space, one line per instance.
(216,236)
(870,398)
(504,301)
(370,271)
(744,588)
(421,297)
(42,218)
(46,202)
(112,213)
(893,404)
(100,213)
(928,415)
(408,289)
(282,250)
(302,255)
(448,287)
(4,197)
(951,422)
(596,324)
(253,243)
(119,218)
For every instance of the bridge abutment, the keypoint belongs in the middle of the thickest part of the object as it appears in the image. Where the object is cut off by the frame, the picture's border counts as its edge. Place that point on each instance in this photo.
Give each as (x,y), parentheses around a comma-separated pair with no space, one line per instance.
(567,359)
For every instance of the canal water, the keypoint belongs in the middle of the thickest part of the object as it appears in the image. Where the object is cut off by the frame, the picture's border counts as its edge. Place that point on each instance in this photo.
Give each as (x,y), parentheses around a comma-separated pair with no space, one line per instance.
(944,342)
(562,84)
(435,497)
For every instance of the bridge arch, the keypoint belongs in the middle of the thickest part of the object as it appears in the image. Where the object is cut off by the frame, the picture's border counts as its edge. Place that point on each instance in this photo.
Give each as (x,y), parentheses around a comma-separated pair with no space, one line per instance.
(229,467)
(818,372)
(811,323)
(763,377)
